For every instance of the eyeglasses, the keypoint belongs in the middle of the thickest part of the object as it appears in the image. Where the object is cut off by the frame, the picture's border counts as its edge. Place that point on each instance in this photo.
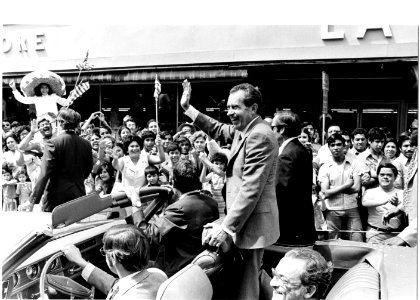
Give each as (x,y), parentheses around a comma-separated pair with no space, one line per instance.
(278,127)
(286,283)
(103,251)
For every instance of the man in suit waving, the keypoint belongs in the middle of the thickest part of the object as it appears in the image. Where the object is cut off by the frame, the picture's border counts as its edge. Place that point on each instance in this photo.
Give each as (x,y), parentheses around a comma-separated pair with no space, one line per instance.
(252,213)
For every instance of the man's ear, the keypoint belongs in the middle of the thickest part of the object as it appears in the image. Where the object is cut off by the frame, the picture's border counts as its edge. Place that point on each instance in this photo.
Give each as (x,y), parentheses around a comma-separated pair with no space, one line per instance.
(112,259)
(310,291)
(254,107)
(282,129)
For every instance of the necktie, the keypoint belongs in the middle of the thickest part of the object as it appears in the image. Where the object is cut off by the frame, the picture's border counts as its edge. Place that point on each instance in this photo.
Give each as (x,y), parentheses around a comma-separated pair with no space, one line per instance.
(407,200)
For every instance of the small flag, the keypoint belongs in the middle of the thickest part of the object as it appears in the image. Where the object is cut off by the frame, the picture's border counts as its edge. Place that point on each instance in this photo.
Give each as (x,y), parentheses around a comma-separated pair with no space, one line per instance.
(157,88)
(84,65)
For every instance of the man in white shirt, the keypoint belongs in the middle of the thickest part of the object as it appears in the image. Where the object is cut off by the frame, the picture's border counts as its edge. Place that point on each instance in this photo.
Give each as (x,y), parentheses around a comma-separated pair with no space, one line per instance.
(378,201)
(403,160)
(358,140)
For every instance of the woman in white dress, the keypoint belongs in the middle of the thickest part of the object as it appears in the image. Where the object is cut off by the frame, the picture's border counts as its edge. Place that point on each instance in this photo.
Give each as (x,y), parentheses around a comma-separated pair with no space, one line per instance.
(132,166)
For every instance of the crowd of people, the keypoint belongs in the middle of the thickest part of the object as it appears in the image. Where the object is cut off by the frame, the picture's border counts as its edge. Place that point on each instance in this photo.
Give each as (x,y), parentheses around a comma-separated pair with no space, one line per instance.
(271,180)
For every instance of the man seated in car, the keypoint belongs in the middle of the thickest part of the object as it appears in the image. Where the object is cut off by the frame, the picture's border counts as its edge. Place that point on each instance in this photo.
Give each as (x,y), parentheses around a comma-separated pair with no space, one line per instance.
(178,231)
(301,274)
(126,250)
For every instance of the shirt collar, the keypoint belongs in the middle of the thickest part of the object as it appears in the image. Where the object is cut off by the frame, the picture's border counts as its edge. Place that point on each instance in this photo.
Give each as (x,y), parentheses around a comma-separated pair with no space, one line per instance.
(281,148)
(242,132)
(127,282)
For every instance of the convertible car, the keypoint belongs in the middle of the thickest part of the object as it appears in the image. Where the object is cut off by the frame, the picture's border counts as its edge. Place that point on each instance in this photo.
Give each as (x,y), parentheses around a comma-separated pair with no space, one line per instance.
(33,266)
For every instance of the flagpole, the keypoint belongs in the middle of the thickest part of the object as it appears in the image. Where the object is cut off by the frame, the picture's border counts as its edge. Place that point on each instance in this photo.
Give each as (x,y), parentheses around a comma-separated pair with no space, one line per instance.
(157,102)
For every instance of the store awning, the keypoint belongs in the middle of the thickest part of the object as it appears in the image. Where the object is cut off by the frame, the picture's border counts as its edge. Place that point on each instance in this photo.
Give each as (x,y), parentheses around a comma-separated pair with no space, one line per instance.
(136,76)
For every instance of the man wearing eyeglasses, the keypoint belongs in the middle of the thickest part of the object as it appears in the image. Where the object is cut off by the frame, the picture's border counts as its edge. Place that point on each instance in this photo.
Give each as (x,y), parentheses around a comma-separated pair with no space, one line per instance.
(293,183)
(301,274)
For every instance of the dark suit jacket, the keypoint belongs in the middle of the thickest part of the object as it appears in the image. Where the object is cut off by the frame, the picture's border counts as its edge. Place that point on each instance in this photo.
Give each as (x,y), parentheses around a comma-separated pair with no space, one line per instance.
(252,212)
(294,195)
(66,162)
(179,230)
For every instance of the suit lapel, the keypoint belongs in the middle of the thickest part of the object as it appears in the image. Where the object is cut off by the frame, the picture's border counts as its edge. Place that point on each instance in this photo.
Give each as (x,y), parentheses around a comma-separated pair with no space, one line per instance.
(138,278)
(238,143)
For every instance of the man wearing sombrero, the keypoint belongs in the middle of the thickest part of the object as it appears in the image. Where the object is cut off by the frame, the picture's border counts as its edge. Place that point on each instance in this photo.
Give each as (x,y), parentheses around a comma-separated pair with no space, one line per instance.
(46,89)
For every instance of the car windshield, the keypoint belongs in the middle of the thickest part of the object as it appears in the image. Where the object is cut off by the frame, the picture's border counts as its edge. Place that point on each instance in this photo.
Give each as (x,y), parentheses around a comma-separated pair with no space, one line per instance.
(16,226)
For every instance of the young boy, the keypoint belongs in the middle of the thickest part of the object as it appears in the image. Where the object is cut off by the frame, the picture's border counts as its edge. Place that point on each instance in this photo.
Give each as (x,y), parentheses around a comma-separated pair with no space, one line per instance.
(152,175)
(9,190)
(174,154)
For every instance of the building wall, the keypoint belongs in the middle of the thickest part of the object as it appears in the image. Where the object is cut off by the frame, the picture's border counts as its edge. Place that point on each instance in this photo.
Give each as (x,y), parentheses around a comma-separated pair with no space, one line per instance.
(110,47)
(370,70)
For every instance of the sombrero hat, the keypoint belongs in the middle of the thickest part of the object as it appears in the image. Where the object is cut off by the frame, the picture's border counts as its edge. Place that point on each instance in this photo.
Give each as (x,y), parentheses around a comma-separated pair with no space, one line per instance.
(32,80)
(191,125)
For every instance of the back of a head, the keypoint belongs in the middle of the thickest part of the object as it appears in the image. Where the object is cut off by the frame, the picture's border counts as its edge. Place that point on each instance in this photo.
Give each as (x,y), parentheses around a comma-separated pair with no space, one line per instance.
(129,245)
(70,117)
(186,177)
(290,121)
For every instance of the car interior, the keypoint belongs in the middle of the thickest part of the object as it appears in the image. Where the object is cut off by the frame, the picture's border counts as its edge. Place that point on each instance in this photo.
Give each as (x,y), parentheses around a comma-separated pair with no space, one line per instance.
(38,268)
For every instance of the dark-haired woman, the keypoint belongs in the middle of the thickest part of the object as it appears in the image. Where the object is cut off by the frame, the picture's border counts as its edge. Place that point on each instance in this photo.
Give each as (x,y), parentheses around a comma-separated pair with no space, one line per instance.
(126,250)
(132,166)
(46,99)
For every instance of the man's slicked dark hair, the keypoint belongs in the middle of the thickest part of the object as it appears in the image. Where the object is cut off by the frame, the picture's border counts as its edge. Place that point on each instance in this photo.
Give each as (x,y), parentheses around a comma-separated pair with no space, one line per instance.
(252,95)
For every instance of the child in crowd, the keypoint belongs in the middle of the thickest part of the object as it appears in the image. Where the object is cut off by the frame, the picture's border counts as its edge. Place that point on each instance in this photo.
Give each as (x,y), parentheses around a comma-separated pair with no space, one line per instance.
(104,181)
(9,190)
(152,175)
(216,177)
(174,154)
(24,187)
(119,152)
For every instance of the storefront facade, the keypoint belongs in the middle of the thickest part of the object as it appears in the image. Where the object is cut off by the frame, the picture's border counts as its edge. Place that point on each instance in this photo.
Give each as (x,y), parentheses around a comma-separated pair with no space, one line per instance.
(373,72)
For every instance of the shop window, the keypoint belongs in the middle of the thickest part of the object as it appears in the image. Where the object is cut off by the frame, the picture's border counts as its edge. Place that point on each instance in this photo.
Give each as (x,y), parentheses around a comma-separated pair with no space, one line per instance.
(380,115)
